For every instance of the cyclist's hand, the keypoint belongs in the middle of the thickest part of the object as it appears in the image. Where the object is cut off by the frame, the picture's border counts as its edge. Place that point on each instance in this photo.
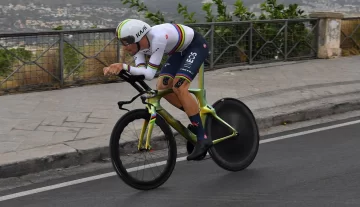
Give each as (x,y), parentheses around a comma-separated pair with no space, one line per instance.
(113,69)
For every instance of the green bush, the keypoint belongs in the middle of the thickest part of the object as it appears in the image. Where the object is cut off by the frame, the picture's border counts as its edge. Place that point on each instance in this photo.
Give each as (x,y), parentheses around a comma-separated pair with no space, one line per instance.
(8,58)
(71,56)
(71,59)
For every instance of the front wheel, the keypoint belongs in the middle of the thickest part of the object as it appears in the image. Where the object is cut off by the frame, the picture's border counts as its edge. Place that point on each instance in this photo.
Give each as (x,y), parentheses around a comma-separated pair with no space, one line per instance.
(126,158)
(236,153)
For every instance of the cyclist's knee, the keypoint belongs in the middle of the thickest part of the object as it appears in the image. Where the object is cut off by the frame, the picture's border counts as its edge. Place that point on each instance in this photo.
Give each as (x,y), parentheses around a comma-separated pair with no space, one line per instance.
(181,85)
(164,82)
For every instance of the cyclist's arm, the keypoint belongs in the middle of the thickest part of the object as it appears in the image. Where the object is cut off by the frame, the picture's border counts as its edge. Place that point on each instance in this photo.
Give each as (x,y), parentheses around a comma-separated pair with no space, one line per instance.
(153,65)
(140,61)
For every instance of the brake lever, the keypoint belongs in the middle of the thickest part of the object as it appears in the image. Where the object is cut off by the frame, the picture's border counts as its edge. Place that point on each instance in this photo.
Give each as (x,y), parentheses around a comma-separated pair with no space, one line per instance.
(121,103)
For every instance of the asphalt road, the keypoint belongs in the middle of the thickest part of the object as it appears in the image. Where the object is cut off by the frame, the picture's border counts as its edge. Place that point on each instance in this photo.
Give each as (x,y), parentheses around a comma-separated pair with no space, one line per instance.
(315,169)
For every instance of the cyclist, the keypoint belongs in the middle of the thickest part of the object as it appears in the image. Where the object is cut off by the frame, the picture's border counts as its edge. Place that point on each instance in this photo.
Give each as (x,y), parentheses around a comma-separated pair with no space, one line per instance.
(186,49)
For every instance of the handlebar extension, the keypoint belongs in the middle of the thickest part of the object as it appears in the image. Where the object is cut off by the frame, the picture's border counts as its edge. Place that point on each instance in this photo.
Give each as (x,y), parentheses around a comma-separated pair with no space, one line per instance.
(132,79)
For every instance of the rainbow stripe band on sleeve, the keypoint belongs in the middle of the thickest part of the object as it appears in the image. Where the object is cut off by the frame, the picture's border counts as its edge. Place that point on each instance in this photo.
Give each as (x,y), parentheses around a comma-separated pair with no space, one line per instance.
(181,40)
(141,65)
(126,67)
(153,66)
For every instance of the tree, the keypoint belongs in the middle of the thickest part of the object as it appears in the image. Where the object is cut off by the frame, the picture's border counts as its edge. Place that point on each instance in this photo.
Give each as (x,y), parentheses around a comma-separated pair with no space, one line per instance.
(270,9)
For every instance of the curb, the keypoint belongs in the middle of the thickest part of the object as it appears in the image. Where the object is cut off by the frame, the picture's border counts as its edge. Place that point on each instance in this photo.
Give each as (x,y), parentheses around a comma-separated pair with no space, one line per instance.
(99,154)
(308,114)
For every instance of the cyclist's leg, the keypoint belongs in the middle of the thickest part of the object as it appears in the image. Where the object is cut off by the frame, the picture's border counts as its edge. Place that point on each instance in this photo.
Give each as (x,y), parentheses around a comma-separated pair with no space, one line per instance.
(166,77)
(191,62)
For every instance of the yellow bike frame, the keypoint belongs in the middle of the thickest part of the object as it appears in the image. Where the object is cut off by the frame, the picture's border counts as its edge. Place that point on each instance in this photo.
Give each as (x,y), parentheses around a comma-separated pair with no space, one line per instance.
(153,105)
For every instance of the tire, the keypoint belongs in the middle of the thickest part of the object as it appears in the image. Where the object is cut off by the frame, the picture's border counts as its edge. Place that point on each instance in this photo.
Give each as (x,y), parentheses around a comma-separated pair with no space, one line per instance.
(115,151)
(237,153)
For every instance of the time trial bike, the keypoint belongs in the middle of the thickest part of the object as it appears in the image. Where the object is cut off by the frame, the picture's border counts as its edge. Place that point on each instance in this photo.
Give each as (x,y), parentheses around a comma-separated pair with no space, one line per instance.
(229,123)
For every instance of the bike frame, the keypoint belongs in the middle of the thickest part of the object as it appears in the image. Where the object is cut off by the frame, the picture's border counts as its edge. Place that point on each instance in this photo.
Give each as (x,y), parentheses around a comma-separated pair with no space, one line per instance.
(154,107)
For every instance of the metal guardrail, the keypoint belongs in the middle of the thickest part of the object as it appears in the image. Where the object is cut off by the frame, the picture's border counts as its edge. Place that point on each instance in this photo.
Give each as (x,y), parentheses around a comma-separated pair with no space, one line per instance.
(350,36)
(252,42)
(55,59)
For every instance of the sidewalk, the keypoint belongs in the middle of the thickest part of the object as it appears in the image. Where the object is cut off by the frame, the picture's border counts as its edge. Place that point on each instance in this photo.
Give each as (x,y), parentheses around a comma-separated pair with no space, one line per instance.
(50,129)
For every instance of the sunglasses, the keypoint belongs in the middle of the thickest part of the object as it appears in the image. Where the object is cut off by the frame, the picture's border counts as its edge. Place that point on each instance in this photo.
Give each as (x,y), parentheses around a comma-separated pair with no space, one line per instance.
(128,40)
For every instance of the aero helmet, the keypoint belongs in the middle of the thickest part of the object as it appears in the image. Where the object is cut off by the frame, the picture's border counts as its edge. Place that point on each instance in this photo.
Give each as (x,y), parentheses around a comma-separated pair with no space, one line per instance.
(131,31)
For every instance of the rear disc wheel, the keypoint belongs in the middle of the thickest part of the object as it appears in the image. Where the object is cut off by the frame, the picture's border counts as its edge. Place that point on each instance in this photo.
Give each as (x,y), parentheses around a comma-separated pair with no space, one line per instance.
(236,153)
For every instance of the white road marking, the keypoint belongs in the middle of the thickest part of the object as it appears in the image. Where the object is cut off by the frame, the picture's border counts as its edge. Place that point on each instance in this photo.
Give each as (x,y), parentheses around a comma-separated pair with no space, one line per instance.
(106,175)
(309,132)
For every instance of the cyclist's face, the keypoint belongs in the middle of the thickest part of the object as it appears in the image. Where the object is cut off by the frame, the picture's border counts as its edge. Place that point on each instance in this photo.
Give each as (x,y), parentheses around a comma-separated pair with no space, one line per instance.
(131,48)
